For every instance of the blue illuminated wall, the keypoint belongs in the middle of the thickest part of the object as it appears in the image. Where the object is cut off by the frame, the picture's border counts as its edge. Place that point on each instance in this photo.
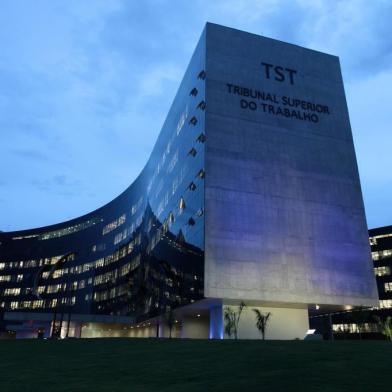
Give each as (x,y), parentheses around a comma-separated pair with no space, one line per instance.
(285,220)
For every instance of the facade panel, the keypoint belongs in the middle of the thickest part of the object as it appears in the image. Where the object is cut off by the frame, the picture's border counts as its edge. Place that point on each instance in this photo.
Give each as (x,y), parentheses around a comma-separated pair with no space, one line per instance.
(285,219)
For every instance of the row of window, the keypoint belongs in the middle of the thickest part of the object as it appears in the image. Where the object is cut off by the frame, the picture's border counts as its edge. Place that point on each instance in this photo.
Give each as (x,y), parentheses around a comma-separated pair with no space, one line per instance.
(101,262)
(381,254)
(385,303)
(382,271)
(78,285)
(180,125)
(34,263)
(388,287)
(37,304)
(113,225)
(353,328)
(61,232)
(373,240)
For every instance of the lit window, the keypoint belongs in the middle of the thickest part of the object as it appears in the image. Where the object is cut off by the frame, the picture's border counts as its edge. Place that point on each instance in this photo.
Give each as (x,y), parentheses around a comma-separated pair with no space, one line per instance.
(382,271)
(386,303)
(113,225)
(182,203)
(12,291)
(201,173)
(68,230)
(375,237)
(388,286)
(171,217)
(381,254)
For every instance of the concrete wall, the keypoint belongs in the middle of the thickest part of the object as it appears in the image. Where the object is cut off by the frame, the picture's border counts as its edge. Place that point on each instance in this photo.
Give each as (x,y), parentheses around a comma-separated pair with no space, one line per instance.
(195,327)
(283,324)
(284,215)
(102,330)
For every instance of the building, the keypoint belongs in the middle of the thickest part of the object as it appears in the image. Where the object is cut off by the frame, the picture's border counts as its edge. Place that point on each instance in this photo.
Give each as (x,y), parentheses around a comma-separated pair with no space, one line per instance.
(347,324)
(381,245)
(251,194)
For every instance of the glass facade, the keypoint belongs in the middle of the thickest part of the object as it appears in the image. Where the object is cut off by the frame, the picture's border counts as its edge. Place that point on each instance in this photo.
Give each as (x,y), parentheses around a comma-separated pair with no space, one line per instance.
(140,255)
(381,246)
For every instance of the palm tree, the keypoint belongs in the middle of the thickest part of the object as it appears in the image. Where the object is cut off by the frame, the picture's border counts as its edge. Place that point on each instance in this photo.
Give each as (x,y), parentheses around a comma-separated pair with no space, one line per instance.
(385,326)
(232,319)
(262,321)
(170,320)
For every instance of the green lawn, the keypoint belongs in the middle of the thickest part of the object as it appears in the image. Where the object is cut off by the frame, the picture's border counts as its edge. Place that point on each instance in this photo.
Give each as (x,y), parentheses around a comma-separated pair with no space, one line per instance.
(194,365)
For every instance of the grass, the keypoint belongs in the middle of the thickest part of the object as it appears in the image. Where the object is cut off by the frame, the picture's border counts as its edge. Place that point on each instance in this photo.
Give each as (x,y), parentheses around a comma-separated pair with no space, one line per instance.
(134,365)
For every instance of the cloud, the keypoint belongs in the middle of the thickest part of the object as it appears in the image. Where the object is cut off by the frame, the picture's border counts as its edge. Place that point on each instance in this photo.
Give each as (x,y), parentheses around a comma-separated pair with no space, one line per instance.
(85,88)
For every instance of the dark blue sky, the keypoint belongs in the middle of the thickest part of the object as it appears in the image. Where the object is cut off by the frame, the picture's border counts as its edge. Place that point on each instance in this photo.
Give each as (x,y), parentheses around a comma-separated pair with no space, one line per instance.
(85,87)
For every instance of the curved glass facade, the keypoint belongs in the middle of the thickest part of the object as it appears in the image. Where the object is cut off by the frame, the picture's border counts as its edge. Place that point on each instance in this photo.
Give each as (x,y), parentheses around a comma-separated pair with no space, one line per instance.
(140,255)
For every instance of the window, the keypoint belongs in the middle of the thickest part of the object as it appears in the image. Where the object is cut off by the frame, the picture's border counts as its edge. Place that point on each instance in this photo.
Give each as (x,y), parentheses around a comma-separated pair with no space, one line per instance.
(68,230)
(193,92)
(202,75)
(385,303)
(200,212)
(193,121)
(192,152)
(172,162)
(201,138)
(202,105)
(382,271)
(192,186)
(13,291)
(201,173)
(388,286)
(375,237)
(181,205)
(182,120)
(171,218)
(113,225)
(381,254)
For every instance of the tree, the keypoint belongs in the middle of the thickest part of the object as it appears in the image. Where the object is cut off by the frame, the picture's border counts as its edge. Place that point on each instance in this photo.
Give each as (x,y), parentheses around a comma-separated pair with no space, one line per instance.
(385,326)
(232,319)
(262,321)
(170,320)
